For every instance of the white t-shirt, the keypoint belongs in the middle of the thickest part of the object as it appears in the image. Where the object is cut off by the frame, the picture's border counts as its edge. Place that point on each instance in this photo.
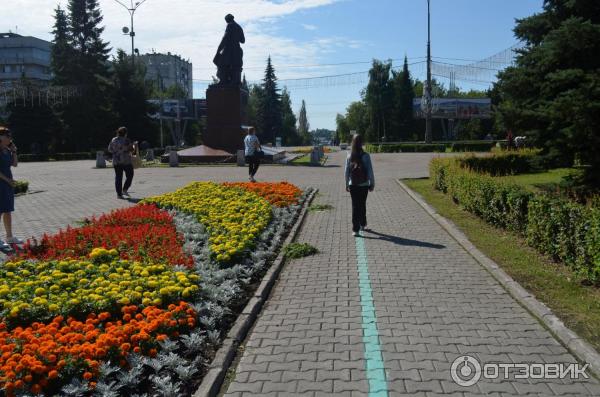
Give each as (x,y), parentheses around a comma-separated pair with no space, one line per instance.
(251,142)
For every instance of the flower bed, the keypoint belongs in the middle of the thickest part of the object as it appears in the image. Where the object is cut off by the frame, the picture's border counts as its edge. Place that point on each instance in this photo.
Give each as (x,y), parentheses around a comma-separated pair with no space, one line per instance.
(81,320)
(233,217)
(280,194)
(141,233)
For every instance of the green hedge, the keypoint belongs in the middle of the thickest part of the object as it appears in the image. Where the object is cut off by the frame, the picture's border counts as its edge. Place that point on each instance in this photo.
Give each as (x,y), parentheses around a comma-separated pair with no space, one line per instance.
(21,187)
(504,163)
(567,231)
(57,157)
(406,148)
(477,146)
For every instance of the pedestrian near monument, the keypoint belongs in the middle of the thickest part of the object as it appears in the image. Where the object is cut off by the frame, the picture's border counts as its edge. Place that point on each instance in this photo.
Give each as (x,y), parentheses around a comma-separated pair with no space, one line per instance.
(8,159)
(360,180)
(122,148)
(253,153)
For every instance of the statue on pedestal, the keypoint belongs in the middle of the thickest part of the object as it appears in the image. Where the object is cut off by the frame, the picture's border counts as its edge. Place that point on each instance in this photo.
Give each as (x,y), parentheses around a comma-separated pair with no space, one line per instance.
(229,58)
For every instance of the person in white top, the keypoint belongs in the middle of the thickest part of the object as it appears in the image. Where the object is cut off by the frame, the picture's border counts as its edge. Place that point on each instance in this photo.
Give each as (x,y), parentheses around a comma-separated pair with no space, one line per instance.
(252,152)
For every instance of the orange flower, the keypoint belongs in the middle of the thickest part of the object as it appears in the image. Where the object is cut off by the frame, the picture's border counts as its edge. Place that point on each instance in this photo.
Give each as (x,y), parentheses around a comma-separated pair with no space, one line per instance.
(42,352)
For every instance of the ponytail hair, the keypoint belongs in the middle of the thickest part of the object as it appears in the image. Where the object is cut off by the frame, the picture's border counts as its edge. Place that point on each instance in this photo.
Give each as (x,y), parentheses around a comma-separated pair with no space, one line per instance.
(357,150)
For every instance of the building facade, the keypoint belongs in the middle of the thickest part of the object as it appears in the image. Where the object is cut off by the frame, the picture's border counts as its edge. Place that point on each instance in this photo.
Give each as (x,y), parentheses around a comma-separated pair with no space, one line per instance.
(24,57)
(167,70)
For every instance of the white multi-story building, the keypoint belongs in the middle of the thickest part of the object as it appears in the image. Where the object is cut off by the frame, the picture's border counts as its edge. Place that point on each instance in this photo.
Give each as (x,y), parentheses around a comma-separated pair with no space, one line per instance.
(24,57)
(167,70)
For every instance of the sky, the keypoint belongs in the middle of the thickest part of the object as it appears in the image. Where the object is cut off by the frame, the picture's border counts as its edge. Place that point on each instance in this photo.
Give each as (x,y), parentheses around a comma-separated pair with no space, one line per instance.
(305,38)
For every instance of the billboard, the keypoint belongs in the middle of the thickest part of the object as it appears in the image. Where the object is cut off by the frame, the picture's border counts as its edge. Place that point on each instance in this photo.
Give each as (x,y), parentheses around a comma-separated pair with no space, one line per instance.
(456,108)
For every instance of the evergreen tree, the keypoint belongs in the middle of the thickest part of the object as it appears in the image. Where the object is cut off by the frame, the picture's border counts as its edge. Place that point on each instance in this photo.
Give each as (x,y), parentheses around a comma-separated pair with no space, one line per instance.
(379,100)
(552,94)
(62,51)
(403,104)
(289,132)
(269,114)
(92,52)
(245,84)
(303,125)
(90,120)
(131,99)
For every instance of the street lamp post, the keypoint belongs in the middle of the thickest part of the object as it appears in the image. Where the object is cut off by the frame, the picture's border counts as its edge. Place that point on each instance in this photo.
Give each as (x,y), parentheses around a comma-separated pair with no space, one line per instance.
(428,95)
(129,31)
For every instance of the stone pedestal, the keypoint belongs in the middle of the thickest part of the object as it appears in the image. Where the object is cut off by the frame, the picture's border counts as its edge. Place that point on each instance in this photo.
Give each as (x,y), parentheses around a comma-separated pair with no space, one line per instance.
(173,159)
(100,160)
(314,157)
(241,158)
(226,113)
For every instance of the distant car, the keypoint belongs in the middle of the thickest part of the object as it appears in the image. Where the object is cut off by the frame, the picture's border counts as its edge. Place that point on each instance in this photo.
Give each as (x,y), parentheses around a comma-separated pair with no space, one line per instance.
(343,146)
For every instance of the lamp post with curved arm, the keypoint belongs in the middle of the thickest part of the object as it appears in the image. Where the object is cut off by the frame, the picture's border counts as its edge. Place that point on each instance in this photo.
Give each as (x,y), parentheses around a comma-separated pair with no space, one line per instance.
(428,94)
(129,31)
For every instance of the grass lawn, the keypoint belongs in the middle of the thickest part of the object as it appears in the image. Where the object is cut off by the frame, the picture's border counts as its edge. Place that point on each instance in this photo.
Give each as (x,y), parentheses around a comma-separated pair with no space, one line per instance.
(578,306)
(304,160)
(540,181)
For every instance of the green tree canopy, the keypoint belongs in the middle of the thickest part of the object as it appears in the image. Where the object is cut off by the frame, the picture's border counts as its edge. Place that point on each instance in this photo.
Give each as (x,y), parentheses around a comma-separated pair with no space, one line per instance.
(289,133)
(379,100)
(552,94)
(131,99)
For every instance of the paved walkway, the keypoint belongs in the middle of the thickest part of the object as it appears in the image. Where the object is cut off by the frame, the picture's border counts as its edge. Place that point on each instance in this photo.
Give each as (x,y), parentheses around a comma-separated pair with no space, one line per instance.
(383,316)
(432,301)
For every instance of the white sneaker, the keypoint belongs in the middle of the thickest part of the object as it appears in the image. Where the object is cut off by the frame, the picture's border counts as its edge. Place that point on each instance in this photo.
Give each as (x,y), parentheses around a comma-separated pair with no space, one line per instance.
(14,240)
(252,179)
(4,246)
(355,234)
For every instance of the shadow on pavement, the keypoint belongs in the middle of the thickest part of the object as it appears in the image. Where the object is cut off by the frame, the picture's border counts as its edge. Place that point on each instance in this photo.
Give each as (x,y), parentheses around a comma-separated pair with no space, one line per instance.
(401,241)
(133,200)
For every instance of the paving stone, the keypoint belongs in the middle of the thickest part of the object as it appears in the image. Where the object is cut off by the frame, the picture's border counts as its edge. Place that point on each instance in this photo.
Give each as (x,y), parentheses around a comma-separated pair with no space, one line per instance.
(433,301)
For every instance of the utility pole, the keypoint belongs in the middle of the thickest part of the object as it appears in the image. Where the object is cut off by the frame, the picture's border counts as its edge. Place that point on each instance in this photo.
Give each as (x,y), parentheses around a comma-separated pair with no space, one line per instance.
(130,31)
(428,95)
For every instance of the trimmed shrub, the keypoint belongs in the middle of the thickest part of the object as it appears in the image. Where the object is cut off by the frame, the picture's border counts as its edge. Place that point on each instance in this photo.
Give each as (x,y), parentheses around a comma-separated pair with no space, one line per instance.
(21,187)
(567,231)
(57,157)
(406,148)
(476,146)
(503,163)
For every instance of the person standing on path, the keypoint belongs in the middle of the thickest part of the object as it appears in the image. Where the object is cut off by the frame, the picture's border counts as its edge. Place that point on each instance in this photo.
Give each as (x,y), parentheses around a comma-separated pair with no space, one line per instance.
(360,180)
(251,152)
(121,148)
(8,159)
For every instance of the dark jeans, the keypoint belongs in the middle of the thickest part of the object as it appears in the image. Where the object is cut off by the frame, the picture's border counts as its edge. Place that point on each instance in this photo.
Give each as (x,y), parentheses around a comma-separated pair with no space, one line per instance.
(253,164)
(359,206)
(119,169)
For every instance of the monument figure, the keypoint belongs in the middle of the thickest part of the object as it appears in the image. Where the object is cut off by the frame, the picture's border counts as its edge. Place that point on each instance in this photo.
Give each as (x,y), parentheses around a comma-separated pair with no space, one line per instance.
(229,57)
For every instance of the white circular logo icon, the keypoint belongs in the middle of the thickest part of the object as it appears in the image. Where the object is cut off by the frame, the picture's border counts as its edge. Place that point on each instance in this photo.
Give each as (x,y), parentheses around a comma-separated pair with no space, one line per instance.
(465,371)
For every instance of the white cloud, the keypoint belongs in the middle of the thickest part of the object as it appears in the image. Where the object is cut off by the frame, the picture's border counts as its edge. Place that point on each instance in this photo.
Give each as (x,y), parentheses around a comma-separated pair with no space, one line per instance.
(309,27)
(193,29)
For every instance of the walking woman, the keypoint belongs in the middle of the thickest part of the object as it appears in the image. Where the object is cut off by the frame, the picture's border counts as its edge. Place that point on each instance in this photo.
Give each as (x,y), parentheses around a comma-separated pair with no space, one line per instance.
(121,148)
(360,180)
(8,159)
(252,152)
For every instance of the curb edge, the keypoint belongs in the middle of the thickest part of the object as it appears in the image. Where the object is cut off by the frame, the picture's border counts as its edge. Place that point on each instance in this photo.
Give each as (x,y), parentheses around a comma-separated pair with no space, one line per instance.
(581,349)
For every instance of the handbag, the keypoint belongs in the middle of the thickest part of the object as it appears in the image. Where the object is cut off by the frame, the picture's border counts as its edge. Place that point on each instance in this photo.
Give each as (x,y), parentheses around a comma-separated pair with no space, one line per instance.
(136,159)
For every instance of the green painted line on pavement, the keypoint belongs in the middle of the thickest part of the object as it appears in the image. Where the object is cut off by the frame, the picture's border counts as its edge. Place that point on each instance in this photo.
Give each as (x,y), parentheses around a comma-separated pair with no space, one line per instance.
(375,367)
